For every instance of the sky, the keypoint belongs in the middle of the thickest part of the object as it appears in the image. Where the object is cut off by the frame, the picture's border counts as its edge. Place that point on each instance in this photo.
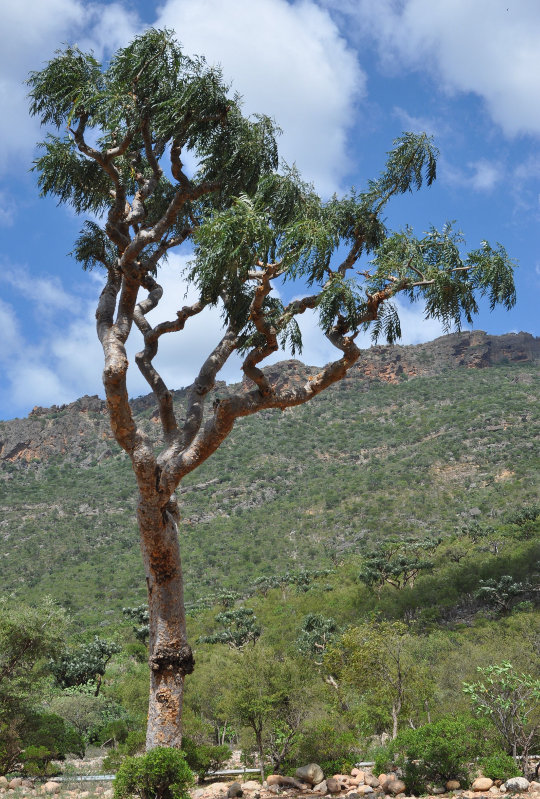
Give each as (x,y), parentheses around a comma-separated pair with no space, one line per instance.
(343,79)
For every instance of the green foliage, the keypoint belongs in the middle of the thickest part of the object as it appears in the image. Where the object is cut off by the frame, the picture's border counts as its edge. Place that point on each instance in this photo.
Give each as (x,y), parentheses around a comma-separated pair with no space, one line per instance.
(140,615)
(397,562)
(511,701)
(159,774)
(501,594)
(84,664)
(204,758)
(316,633)
(499,766)
(436,752)
(133,745)
(241,629)
(36,762)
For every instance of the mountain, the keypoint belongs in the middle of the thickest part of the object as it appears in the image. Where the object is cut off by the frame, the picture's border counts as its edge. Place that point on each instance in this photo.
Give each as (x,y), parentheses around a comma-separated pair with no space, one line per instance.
(420,440)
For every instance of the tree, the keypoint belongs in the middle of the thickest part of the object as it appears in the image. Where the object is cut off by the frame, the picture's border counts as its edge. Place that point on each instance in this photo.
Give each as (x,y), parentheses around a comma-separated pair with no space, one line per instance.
(28,636)
(512,702)
(252,228)
(240,629)
(377,659)
(316,633)
(396,562)
(265,693)
(84,664)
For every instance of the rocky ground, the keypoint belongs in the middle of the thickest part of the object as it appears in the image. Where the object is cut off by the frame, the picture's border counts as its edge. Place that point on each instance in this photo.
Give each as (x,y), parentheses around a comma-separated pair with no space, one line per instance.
(309,783)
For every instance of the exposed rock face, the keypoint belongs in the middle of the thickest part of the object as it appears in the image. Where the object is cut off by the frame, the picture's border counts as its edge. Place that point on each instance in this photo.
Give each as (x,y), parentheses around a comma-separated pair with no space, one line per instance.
(79,432)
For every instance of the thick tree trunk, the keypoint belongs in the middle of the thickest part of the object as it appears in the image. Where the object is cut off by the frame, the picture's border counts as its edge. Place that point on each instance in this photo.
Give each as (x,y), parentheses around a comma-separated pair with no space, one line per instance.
(170,656)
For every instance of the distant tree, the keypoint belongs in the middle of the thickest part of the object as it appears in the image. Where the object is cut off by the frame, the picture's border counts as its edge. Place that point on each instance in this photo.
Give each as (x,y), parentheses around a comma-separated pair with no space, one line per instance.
(140,615)
(123,135)
(316,633)
(512,702)
(502,593)
(240,629)
(84,664)
(397,562)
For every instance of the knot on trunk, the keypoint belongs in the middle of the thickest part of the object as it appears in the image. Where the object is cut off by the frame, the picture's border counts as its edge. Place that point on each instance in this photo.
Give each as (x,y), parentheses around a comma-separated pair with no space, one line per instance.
(172,657)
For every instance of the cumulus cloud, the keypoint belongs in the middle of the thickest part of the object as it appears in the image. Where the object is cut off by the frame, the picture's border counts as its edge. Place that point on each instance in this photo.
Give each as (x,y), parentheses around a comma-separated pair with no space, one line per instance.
(287,60)
(31,31)
(482,175)
(489,48)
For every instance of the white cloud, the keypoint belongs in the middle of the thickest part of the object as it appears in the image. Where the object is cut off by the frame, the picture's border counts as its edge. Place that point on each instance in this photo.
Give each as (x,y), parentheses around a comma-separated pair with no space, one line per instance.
(47,293)
(289,61)
(31,31)
(481,175)
(487,47)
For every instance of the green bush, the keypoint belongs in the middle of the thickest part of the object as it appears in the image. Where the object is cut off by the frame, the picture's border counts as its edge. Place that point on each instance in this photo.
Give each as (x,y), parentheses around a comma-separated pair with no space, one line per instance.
(159,774)
(499,766)
(133,744)
(436,752)
(51,731)
(202,758)
(36,762)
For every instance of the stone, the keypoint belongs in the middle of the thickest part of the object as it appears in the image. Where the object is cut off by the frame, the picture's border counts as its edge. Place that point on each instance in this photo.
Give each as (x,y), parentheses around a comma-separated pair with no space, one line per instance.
(52,787)
(494,790)
(383,778)
(3,782)
(333,785)
(16,782)
(107,794)
(312,774)
(353,795)
(274,788)
(273,779)
(502,789)
(321,787)
(453,785)
(358,773)
(534,786)
(372,781)
(235,789)
(482,784)
(437,790)
(26,783)
(218,787)
(198,794)
(394,786)
(251,785)
(364,789)
(519,784)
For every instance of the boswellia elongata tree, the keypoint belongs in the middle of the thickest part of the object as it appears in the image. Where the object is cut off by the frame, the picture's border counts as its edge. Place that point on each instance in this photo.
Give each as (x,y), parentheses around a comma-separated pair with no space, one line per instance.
(122,134)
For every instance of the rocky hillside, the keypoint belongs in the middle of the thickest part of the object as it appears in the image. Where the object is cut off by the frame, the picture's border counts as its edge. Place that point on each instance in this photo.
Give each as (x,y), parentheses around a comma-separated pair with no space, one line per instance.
(377,454)
(79,432)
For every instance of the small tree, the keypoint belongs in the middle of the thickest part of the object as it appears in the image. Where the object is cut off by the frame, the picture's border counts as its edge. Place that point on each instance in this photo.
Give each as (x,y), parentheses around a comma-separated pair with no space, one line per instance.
(501,594)
(377,660)
(512,702)
(123,132)
(316,634)
(85,664)
(241,628)
(396,562)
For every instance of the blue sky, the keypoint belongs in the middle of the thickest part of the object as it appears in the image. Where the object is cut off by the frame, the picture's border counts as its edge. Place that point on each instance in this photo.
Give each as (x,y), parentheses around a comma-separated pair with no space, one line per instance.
(343,78)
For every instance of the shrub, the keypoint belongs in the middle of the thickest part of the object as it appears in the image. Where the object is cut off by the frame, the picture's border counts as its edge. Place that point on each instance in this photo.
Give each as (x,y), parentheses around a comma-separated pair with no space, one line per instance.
(36,762)
(499,766)
(436,752)
(133,744)
(159,774)
(202,758)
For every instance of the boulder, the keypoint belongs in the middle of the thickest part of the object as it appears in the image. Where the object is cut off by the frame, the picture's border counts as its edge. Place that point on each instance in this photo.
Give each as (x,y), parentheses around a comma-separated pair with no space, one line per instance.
(437,790)
(3,782)
(217,787)
(278,779)
(312,774)
(321,787)
(534,786)
(274,789)
(453,785)
(333,785)
(51,787)
(198,793)
(482,784)
(234,789)
(494,790)
(519,784)
(358,773)
(364,789)
(372,781)
(394,786)
(383,778)
(251,785)
(353,795)
(16,782)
